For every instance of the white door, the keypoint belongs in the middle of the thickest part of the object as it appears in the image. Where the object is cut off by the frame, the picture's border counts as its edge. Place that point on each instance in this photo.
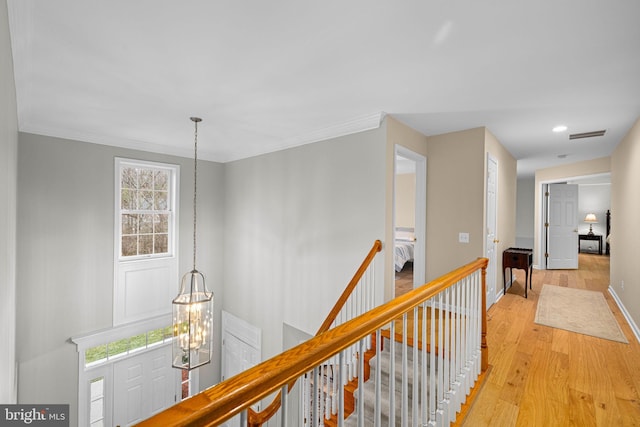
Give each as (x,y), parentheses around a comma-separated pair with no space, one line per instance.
(241,348)
(492,221)
(143,386)
(562,233)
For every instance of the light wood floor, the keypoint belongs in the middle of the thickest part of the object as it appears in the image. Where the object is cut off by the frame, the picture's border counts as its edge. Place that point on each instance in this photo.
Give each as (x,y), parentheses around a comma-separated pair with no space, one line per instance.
(404,279)
(542,376)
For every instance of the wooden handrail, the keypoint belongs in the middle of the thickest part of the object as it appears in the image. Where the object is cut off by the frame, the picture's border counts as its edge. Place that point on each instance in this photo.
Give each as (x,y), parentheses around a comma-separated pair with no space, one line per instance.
(255,419)
(377,247)
(228,398)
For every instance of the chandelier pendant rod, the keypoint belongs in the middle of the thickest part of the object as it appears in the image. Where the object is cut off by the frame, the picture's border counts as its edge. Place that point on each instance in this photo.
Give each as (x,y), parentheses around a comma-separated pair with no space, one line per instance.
(196,120)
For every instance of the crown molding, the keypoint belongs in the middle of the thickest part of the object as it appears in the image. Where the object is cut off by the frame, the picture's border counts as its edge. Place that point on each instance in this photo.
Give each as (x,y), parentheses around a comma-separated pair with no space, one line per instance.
(356,125)
(115,142)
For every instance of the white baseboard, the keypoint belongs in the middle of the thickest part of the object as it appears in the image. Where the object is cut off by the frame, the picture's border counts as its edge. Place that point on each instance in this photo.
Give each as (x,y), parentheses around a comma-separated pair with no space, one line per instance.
(632,324)
(501,291)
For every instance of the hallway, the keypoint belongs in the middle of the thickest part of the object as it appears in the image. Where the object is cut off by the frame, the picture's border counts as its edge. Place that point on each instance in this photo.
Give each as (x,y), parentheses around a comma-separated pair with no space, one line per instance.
(543,376)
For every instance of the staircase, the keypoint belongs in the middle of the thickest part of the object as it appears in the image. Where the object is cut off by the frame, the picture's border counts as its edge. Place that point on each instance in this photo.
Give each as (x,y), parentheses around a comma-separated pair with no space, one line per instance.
(390,383)
(397,376)
(447,320)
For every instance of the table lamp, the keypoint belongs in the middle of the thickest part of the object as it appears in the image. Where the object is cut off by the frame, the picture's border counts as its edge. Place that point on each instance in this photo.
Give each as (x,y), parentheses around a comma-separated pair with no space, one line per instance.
(591,219)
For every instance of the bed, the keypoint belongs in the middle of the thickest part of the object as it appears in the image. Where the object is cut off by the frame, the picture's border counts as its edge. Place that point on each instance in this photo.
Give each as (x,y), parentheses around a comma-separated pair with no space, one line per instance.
(404,245)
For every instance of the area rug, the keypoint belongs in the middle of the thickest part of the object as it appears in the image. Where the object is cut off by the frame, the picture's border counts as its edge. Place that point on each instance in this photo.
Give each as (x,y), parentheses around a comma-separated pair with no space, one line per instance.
(577,310)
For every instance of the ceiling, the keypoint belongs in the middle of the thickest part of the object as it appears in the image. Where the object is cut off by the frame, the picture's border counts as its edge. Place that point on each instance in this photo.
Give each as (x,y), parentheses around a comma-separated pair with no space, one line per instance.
(270,75)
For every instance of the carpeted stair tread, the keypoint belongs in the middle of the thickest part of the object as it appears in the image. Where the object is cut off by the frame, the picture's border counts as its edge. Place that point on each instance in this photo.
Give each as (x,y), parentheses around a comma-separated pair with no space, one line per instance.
(369,387)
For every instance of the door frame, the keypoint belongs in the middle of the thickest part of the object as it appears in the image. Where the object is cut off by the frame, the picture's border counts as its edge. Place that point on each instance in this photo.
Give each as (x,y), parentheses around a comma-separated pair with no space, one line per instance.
(251,338)
(547,220)
(420,226)
(539,236)
(493,263)
(104,368)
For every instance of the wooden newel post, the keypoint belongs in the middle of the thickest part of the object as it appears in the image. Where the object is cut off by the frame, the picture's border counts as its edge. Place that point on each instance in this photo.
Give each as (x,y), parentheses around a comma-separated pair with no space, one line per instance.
(484,349)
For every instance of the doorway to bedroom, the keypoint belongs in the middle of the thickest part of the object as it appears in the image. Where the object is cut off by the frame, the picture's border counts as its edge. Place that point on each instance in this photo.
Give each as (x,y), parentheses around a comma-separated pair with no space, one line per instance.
(410,195)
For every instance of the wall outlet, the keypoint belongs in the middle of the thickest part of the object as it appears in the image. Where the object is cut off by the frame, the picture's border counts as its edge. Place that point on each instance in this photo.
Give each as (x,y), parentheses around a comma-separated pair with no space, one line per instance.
(622,285)
(463,237)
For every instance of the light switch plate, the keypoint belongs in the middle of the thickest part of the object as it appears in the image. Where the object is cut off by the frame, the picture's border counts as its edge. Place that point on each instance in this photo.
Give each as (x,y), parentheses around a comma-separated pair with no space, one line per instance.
(463,237)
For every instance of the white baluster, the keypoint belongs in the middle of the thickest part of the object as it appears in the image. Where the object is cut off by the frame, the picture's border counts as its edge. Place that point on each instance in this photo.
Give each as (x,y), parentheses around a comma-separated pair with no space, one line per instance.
(341,389)
(415,400)
(433,380)
(470,329)
(424,417)
(456,350)
(461,351)
(326,390)
(479,315)
(405,386)
(284,404)
(447,329)
(441,361)
(314,398)
(378,379)
(392,369)
(361,385)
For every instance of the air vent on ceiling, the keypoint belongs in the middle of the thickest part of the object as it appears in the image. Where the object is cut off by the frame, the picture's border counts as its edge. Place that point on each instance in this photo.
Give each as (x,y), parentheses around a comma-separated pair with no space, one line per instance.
(587,134)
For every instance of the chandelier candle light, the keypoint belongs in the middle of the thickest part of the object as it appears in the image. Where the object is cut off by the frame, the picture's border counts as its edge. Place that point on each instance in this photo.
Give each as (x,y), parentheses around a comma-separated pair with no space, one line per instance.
(591,219)
(193,307)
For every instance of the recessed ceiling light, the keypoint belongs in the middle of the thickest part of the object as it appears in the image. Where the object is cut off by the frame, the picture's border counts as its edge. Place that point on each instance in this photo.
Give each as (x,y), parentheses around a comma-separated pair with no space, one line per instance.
(559,128)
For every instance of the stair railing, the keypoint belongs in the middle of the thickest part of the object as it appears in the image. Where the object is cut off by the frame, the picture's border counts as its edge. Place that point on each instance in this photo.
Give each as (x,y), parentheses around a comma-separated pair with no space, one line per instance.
(357,298)
(449,351)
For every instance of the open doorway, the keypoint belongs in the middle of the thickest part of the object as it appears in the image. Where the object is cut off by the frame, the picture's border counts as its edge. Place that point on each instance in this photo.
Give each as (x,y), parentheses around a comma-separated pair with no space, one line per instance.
(410,194)
(593,200)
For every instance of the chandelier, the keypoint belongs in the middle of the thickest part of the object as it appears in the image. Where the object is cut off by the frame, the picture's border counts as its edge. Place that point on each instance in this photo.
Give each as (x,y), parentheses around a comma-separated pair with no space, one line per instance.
(193,307)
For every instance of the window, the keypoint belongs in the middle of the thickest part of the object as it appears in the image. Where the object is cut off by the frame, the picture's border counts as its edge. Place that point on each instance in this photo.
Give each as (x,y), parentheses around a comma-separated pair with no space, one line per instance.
(107,357)
(103,353)
(96,403)
(146,205)
(185,384)
(145,239)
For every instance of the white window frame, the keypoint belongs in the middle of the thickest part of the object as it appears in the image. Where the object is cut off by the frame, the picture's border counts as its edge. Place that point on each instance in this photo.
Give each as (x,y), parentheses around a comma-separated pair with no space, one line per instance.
(105,370)
(145,285)
(171,208)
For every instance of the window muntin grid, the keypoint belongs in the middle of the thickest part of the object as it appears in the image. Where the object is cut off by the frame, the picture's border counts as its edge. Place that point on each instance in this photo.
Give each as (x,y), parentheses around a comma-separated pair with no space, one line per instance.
(145,210)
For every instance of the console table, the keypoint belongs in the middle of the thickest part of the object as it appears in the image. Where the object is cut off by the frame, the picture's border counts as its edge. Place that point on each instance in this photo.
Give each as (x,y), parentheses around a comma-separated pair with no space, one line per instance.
(592,237)
(518,258)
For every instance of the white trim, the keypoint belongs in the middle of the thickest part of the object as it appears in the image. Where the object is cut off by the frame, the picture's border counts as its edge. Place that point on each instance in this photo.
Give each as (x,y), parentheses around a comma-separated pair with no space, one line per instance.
(242,329)
(103,336)
(634,327)
(420,224)
(251,338)
(134,277)
(541,263)
(355,125)
(496,278)
(84,393)
(174,171)
(87,373)
(111,141)
(245,332)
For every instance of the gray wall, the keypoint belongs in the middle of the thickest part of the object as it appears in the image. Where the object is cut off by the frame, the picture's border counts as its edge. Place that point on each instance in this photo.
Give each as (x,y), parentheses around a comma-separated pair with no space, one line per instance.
(596,199)
(65,254)
(8,171)
(525,210)
(294,226)
(298,224)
